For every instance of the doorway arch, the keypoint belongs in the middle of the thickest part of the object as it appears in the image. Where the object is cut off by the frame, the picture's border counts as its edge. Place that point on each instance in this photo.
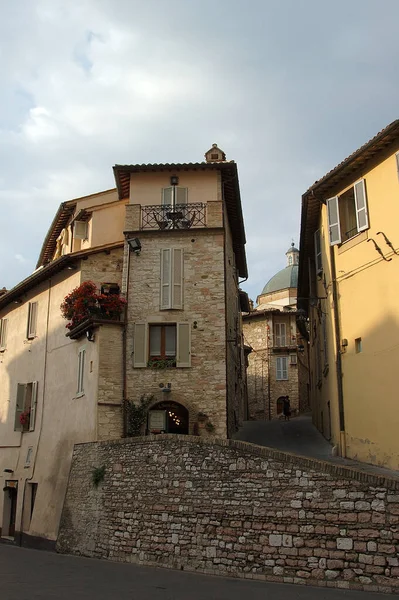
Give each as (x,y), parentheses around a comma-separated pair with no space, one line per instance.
(280,405)
(168,417)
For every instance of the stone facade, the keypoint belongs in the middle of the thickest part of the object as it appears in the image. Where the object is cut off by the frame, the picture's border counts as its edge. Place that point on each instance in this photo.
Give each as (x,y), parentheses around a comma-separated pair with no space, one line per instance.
(224,507)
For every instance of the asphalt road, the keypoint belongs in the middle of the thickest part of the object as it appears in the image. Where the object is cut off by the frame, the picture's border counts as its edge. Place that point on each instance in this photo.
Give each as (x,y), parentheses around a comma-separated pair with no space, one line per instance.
(32,574)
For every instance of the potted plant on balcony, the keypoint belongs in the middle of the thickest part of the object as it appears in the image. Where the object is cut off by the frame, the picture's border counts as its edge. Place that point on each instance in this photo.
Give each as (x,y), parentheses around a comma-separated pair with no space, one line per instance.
(24,419)
(85,302)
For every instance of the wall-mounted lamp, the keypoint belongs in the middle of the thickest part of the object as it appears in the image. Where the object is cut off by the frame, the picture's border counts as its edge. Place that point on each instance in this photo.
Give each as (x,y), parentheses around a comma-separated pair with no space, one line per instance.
(90,335)
(344,343)
(167,389)
(18,301)
(134,245)
(71,268)
(174,180)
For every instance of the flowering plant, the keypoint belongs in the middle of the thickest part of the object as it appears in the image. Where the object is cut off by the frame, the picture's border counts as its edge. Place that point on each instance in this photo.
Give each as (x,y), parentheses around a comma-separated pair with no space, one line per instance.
(85,302)
(24,417)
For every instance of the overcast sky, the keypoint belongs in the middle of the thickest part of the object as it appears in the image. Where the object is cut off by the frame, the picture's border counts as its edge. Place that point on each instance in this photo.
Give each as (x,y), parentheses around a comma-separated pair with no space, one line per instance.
(287,88)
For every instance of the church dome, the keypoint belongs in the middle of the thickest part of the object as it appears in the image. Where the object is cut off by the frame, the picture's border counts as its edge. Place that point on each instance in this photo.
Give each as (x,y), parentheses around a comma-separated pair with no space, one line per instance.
(286,278)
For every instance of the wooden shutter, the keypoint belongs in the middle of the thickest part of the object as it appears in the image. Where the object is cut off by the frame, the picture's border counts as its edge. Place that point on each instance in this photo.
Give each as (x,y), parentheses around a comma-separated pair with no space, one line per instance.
(181,195)
(362,218)
(80,230)
(317,249)
(334,225)
(183,358)
(3,333)
(280,334)
(32,319)
(167,195)
(140,345)
(166,278)
(33,404)
(177,278)
(20,405)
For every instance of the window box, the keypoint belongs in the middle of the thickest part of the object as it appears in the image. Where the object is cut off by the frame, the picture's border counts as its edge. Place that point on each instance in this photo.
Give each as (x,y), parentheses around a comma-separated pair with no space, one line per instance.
(161,363)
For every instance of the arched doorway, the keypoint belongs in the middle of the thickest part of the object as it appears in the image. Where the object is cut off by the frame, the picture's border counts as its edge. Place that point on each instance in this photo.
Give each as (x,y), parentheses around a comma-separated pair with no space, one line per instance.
(168,417)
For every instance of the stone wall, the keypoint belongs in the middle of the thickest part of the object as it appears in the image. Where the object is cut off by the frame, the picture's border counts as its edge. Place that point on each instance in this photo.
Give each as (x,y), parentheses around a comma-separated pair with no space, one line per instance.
(229,508)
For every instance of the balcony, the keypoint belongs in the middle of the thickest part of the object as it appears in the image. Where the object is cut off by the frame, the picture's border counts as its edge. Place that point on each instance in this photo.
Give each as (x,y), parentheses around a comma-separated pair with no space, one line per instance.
(177,216)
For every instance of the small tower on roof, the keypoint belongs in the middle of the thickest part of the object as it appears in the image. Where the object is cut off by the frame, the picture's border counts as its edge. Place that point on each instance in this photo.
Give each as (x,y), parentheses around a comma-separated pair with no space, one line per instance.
(215,154)
(292,255)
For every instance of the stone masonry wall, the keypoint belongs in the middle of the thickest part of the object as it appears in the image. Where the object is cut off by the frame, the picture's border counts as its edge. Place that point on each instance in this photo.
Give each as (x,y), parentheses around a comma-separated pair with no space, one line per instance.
(110,382)
(202,386)
(229,508)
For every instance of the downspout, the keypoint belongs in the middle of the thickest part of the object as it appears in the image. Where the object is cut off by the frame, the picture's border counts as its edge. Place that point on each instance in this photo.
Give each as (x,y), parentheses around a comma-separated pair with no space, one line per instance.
(269,371)
(124,346)
(337,328)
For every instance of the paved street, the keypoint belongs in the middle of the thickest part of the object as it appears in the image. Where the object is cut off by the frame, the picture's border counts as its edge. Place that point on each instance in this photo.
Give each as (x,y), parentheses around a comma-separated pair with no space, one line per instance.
(32,574)
(300,436)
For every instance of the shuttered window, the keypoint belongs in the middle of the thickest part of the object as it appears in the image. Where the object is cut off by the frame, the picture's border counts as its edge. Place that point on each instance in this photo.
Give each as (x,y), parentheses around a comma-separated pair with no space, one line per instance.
(183,358)
(140,345)
(171,292)
(3,333)
(81,371)
(333,221)
(25,408)
(317,250)
(280,334)
(180,195)
(362,219)
(32,320)
(281,368)
(166,341)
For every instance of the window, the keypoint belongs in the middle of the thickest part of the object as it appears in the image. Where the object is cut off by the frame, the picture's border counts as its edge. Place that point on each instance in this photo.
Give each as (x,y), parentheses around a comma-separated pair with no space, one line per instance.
(347,214)
(162,341)
(280,334)
(358,345)
(110,288)
(81,370)
(293,359)
(317,250)
(171,279)
(80,230)
(28,458)
(32,320)
(3,334)
(25,410)
(174,195)
(290,260)
(281,368)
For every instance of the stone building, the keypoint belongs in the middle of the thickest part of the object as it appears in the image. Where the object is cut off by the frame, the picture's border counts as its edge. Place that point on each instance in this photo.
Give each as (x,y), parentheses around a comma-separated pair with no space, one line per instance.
(170,240)
(278,361)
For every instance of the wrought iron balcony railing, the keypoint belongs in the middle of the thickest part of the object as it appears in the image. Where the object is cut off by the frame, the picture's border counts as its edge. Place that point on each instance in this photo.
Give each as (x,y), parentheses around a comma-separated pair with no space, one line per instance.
(169,216)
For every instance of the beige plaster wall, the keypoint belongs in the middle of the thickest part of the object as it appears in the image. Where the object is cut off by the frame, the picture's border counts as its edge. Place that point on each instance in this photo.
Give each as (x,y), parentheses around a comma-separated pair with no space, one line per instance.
(146,188)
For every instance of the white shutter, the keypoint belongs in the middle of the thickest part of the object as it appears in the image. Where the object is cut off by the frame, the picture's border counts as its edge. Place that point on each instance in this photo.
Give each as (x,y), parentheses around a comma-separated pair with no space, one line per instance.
(334,225)
(317,249)
(181,195)
(166,279)
(167,195)
(32,319)
(278,368)
(280,334)
(183,358)
(80,230)
(282,368)
(3,333)
(33,406)
(20,405)
(177,278)
(140,345)
(285,366)
(81,370)
(362,218)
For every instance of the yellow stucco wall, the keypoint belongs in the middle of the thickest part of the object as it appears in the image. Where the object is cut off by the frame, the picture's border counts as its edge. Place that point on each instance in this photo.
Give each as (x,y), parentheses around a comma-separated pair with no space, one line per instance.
(146,188)
(368,289)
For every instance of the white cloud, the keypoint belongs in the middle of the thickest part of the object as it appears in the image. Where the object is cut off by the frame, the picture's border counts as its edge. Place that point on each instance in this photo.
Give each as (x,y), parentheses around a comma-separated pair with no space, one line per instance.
(287,89)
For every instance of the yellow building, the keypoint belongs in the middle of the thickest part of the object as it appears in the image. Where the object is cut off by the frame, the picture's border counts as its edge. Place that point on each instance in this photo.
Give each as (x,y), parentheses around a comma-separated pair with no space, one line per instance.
(348,288)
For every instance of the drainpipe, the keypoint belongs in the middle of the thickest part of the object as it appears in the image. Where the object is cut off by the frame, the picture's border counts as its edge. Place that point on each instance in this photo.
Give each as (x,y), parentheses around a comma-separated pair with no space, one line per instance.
(337,327)
(124,347)
(269,369)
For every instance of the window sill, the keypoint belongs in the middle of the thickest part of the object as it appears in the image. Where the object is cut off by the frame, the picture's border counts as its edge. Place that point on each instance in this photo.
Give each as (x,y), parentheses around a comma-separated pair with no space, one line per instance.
(353,241)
